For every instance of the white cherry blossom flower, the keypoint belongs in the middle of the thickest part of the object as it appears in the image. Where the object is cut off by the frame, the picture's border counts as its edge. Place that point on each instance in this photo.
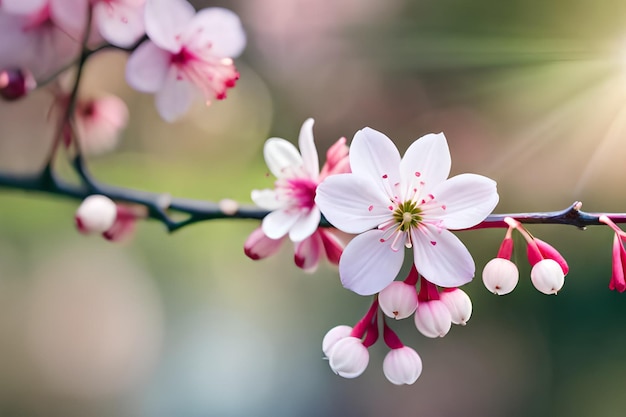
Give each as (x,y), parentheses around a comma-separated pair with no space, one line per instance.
(394,202)
(120,22)
(187,53)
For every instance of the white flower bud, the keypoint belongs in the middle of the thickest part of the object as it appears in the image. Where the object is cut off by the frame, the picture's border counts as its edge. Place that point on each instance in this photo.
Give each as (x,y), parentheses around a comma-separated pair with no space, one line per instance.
(402,366)
(398,300)
(333,336)
(500,276)
(547,276)
(348,358)
(433,319)
(96,214)
(459,304)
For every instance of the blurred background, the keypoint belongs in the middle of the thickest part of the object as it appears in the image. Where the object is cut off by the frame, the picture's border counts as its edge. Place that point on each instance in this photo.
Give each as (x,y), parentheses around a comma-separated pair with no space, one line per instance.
(530,93)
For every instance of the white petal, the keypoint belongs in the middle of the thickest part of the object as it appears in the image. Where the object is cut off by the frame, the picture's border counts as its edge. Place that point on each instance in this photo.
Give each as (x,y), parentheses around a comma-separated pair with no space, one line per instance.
(277,223)
(306,226)
(467,198)
(350,203)
(308,150)
(308,252)
(441,257)
(266,199)
(374,155)
(119,23)
(165,20)
(281,157)
(368,265)
(147,68)
(175,97)
(221,27)
(428,159)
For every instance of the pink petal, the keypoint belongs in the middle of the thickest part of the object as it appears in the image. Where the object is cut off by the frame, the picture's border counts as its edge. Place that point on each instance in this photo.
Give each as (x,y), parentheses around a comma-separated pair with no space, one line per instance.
(166,20)
(428,159)
(259,246)
(282,158)
(22,6)
(221,27)
(373,155)
(548,251)
(308,150)
(306,225)
(70,16)
(441,257)
(147,68)
(119,24)
(175,97)
(308,252)
(617,278)
(464,200)
(351,203)
(333,246)
(337,160)
(266,199)
(369,265)
(277,223)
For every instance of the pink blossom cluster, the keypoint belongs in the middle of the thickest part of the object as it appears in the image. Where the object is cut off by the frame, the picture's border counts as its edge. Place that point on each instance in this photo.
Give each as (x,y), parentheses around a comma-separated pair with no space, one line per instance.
(185,55)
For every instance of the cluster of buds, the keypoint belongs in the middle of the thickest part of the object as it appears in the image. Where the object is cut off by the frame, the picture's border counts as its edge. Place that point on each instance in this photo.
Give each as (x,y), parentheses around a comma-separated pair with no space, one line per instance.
(549,268)
(434,312)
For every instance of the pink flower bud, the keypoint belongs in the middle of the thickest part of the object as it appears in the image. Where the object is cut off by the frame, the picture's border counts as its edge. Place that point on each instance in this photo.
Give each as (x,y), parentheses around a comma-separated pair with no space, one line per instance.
(547,276)
(96,214)
(398,300)
(259,246)
(15,83)
(549,252)
(402,366)
(333,336)
(459,304)
(433,319)
(500,276)
(348,358)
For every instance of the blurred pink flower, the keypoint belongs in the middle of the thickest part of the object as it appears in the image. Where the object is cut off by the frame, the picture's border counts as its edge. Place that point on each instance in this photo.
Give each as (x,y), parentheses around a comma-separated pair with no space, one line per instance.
(99,123)
(187,53)
(40,35)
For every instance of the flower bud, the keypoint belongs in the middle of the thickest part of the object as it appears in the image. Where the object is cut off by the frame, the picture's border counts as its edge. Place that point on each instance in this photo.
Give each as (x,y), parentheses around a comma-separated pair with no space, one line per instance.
(96,214)
(402,366)
(459,304)
(500,276)
(547,276)
(398,300)
(433,319)
(348,358)
(15,83)
(333,336)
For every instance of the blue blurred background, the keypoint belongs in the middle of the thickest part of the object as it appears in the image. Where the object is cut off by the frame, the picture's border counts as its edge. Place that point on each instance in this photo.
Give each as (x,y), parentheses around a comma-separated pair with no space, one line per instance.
(530,93)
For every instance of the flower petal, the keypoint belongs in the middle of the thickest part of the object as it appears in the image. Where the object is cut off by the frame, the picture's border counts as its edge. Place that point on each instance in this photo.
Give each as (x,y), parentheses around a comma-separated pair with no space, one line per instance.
(306,225)
(175,97)
(308,150)
(147,68)
(351,204)
(441,257)
(259,246)
(266,199)
(281,157)
(165,20)
(23,6)
(277,223)
(308,252)
(119,23)
(373,155)
(466,200)
(428,159)
(369,265)
(221,27)
(333,246)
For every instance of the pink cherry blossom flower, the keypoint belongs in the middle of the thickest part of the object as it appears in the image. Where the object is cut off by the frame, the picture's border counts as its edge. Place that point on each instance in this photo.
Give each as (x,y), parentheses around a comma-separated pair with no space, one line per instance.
(120,22)
(40,35)
(394,202)
(187,53)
